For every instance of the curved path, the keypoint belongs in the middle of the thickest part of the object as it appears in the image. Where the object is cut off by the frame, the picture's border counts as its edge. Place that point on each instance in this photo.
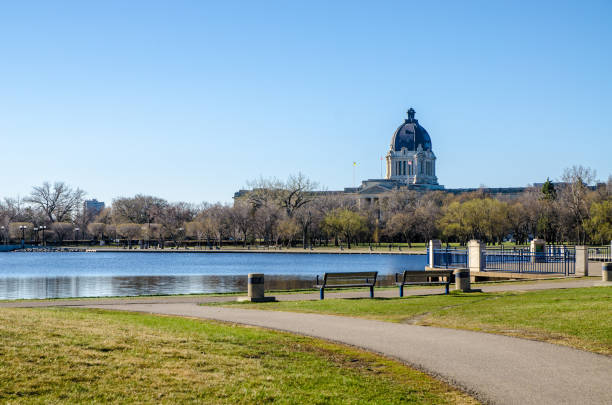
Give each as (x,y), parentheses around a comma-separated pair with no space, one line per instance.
(496,369)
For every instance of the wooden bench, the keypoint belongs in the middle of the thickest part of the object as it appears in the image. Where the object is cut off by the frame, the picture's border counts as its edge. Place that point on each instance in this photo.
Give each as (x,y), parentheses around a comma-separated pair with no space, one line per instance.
(415,277)
(347,280)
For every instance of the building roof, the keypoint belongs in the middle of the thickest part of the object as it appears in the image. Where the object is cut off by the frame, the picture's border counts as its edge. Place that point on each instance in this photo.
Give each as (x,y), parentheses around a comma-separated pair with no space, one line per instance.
(410,135)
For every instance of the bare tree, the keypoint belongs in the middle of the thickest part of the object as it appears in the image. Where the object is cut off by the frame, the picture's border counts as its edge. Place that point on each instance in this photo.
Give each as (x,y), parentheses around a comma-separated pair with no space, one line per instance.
(574,197)
(140,209)
(58,202)
(241,215)
(96,229)
(130,231)
(172,219)
(62,230)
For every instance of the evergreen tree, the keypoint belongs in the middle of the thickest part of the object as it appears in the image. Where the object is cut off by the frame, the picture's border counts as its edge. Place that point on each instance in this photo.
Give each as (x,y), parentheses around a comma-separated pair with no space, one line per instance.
(548,190)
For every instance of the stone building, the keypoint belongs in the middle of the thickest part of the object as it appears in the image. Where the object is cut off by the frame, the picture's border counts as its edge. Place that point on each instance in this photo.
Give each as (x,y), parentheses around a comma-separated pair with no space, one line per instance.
(410,159)
(411,165)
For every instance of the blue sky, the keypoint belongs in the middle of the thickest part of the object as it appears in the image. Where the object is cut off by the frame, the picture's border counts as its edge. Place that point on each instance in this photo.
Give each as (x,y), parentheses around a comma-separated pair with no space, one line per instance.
(188,100)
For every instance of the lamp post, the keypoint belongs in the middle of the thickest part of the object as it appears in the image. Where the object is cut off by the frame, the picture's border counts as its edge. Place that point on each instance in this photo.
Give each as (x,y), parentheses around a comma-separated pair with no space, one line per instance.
(2,228)
(181,233)
(23,228)
(35,236)
(76,234)
(43,229)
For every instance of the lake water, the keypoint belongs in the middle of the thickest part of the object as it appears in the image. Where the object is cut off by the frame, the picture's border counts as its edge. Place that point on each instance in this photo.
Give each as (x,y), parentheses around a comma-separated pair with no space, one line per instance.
(61,275)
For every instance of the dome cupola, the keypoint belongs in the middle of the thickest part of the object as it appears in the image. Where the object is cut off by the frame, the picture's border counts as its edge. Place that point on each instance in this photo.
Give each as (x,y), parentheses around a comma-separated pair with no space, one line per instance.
(410,135)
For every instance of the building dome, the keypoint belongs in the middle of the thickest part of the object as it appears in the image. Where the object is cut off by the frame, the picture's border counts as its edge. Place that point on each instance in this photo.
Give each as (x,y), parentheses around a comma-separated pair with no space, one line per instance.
(410,135)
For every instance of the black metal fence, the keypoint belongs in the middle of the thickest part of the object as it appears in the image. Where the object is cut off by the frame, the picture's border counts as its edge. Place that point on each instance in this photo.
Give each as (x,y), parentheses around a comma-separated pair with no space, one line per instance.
(555,262)
(450,258)
(600,253)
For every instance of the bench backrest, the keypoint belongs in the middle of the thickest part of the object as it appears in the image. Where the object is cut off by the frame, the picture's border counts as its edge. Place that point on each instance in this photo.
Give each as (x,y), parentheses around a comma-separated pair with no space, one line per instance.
(359,277)
(421,275)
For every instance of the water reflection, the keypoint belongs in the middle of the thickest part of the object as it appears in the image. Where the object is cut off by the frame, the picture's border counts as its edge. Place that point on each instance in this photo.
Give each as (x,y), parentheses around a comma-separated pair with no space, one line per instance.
(64,275)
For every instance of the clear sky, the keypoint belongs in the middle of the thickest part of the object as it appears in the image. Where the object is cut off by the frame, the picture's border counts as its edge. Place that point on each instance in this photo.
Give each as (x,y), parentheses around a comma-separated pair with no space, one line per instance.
(188,100)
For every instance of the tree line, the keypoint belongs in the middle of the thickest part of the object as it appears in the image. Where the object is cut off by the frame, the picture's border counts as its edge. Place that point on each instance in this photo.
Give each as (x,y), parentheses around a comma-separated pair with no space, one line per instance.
(293,212)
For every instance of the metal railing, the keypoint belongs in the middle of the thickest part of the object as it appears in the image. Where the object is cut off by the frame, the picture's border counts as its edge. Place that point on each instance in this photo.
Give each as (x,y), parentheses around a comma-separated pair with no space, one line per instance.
(600,253)
(561,262)
(450,258)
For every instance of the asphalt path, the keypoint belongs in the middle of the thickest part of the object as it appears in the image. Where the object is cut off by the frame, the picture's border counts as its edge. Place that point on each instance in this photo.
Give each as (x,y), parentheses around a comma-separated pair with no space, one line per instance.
(495,369)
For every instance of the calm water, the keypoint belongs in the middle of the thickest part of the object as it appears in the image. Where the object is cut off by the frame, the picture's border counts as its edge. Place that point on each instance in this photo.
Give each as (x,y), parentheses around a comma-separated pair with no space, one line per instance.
(60,275)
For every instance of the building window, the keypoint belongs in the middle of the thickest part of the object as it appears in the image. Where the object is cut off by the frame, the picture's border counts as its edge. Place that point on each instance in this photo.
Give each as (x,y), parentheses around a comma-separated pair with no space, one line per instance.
(404,167)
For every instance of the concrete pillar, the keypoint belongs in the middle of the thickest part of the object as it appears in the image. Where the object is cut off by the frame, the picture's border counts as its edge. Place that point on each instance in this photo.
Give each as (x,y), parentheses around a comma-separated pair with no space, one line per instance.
(606,272)
(462,280)
(582,261)
(476,261)
(433,244)
(537,247)
(256,289)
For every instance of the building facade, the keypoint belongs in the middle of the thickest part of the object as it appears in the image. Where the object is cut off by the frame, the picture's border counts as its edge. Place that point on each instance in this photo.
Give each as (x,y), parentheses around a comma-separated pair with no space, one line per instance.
(410,159)
(411,165)
(92,207)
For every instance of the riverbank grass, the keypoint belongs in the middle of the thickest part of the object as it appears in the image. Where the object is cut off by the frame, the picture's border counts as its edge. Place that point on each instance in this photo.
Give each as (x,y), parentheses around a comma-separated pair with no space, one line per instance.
(577,317)
(82,356)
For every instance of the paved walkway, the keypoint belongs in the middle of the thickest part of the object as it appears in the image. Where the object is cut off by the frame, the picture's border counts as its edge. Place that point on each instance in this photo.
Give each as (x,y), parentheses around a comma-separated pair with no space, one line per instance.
(496,369)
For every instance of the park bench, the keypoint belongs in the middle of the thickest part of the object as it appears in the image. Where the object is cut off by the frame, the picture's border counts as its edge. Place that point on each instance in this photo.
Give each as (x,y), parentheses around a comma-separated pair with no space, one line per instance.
(416,277)
(347,280)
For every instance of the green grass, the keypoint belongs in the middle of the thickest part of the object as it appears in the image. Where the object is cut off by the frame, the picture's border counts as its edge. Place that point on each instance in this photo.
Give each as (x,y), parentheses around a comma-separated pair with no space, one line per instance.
(577,317)
(72,355)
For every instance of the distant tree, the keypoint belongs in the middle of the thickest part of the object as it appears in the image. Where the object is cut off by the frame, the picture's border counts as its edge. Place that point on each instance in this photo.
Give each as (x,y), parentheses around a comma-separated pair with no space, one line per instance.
(194,229)
(599,225)
(17,233)
(548,190)
(96,230)
(242,217)
(574,198)
(291,195)
(62,230)
(58,202)
(346,223)
(287,229)
(405,224)
(172,219)
(140,209)
(152,231)
(129,231)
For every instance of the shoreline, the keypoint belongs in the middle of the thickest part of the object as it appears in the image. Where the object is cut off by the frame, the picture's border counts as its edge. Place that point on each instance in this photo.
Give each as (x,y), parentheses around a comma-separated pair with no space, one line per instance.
(69,249)
(269,251)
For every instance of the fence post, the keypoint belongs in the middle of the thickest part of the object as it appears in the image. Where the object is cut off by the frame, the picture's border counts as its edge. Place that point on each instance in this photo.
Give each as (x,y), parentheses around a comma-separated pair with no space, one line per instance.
(433,244)
(476,260)
(582,261)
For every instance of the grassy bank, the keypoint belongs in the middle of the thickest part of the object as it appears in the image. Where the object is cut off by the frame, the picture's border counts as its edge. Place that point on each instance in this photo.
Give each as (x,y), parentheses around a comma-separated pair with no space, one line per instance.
(75,356)
(580,317)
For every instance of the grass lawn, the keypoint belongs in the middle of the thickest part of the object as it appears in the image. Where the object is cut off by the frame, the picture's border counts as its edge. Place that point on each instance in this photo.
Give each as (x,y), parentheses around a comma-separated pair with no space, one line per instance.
(69,355)
(577,317)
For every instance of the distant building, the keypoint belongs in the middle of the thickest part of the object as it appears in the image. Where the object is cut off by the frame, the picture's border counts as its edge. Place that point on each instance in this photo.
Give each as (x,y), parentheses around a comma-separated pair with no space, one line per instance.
(92,208)
(411,165)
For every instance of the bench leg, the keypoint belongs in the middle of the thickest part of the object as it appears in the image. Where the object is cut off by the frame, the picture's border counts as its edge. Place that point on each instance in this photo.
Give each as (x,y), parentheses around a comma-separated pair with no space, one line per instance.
(447,285)
(321,293)
(371,292)
(401,290)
